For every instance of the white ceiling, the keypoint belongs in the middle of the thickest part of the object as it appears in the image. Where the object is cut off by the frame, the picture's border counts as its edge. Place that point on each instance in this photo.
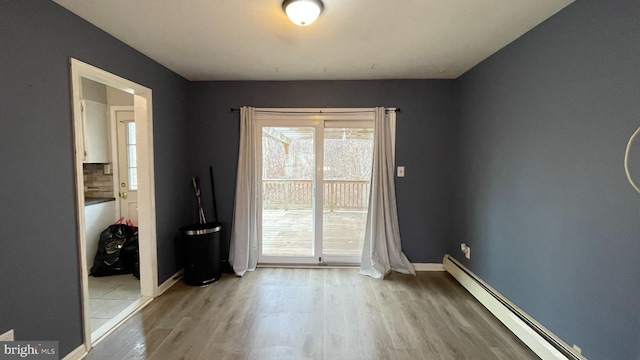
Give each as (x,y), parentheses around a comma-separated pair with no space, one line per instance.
(352,39)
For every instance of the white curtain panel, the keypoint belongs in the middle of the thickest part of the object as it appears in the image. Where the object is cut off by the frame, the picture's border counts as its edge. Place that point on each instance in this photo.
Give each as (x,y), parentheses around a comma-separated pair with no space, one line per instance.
(382,251)
(243,251)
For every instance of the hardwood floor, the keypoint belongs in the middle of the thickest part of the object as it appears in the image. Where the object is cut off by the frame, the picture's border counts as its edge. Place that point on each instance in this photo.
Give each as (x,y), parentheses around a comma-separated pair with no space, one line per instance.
(315,314)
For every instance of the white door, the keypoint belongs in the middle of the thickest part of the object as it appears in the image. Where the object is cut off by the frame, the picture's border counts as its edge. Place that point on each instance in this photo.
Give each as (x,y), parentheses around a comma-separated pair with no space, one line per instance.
(314,190)
(127,167)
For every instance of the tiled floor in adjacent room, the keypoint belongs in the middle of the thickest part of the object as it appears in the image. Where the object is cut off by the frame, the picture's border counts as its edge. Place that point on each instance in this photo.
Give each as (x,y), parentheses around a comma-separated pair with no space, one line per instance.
(110,295)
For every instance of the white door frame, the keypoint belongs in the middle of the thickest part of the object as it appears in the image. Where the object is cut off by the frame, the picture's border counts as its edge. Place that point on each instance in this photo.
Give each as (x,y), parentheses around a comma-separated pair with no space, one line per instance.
(146,194)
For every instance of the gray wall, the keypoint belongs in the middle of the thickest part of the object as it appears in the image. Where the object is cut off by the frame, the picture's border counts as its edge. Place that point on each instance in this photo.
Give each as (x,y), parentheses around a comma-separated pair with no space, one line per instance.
(423,143)
(542,197)
(39,276)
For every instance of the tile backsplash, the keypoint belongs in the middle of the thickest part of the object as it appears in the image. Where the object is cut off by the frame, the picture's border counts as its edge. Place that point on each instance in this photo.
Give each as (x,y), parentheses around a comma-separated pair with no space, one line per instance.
(96,182)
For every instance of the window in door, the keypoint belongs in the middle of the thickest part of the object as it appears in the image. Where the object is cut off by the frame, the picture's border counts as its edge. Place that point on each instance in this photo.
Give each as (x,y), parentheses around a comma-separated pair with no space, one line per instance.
(127,165)
(132,170)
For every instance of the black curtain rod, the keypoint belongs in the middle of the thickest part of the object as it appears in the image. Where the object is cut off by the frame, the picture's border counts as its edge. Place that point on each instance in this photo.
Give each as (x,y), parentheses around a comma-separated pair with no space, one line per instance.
(306,112)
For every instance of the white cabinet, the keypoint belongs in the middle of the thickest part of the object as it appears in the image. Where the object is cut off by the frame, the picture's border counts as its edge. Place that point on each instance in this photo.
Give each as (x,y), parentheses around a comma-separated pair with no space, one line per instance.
(95,122)
(97,217)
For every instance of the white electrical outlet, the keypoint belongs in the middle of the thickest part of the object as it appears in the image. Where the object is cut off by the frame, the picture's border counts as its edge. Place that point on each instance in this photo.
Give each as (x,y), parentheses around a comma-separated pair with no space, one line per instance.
(467,253)
(400,171)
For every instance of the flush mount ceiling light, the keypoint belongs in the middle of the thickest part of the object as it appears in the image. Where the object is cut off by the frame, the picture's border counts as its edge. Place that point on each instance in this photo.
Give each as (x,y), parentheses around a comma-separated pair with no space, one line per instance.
(302,12)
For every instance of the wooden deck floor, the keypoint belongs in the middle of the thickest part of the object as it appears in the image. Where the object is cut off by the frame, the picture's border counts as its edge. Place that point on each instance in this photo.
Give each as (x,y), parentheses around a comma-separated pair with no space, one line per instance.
(318,314)
(290,232)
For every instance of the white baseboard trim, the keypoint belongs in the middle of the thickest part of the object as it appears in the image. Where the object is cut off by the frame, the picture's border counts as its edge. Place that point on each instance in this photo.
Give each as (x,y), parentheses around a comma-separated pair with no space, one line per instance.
(488,297)
(8,336)
(167,284)
(76,354)
(428,267)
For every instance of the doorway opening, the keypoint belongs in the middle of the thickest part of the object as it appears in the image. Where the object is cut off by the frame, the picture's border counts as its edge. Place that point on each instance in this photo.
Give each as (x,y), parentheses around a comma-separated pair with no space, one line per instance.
(314,187)
(109,301)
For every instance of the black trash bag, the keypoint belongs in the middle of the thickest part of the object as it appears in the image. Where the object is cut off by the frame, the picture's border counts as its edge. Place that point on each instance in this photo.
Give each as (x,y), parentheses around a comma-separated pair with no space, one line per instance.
(130,255)
(108,259)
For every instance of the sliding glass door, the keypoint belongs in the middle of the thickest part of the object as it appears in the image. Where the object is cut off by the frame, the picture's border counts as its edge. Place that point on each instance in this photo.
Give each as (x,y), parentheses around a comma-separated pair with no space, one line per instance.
(314,189)
(288,199)
(348,153)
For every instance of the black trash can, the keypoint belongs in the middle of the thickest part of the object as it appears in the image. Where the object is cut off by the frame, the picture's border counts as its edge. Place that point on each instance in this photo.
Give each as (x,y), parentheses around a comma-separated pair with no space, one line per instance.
(201,253)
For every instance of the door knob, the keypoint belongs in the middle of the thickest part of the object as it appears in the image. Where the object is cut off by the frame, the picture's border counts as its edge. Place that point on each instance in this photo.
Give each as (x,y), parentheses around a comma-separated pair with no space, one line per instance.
(123,195)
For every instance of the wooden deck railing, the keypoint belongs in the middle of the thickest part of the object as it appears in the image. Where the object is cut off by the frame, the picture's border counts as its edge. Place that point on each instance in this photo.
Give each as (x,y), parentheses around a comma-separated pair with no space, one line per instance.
(297,194)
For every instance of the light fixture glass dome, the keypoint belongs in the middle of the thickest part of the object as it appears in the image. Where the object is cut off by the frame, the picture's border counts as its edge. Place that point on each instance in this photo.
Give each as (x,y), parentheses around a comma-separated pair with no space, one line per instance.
(302,12)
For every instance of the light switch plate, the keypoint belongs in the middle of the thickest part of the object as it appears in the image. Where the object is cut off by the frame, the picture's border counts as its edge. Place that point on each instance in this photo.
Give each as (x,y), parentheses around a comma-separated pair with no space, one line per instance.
(400,171)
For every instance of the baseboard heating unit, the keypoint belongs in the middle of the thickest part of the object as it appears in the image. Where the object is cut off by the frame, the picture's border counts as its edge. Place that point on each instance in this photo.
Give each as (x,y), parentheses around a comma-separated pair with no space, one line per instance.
(538,338)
